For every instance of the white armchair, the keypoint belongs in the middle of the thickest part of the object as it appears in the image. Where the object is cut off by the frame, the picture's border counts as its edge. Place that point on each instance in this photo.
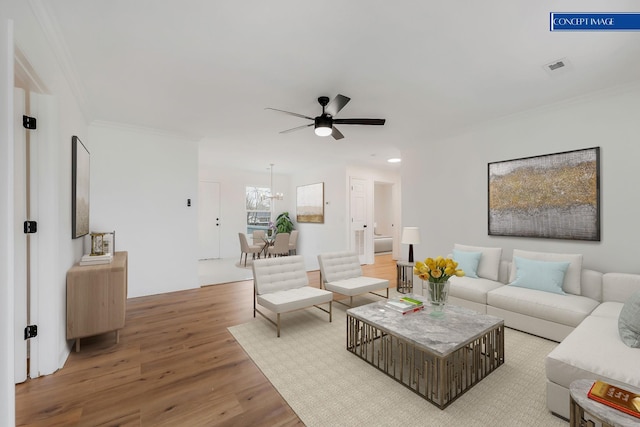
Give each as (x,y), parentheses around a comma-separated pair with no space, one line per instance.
(282,285)
(340,272)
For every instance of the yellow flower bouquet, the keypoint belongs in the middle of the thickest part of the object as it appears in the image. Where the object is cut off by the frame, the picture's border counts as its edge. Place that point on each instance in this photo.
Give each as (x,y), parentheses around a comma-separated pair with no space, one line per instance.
(437,270)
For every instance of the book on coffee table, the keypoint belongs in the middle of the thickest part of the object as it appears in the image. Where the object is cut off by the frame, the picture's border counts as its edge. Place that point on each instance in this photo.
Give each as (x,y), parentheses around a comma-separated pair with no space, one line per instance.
(405,305)
(616,397)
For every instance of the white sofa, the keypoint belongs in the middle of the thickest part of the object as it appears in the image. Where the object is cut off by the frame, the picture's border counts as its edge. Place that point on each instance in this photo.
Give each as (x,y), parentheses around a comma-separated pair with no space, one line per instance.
(584,320)
(594,349)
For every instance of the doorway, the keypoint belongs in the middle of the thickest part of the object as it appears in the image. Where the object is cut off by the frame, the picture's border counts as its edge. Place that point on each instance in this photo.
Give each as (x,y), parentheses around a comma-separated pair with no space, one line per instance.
(29,99)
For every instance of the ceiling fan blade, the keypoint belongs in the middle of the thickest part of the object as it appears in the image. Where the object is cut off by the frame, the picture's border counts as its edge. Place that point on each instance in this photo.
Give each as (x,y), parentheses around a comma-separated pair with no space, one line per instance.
(336,134)
(378,122)
(297,128)
(290,113)
(337,104)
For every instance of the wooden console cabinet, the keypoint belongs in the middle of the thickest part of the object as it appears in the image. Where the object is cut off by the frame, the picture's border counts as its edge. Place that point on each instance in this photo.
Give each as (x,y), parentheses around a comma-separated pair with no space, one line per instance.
(97,298)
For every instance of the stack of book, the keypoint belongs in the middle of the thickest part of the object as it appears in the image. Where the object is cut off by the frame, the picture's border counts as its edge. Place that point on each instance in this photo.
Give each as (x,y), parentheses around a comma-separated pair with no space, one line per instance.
(616,397)
(96,259)
(405,305)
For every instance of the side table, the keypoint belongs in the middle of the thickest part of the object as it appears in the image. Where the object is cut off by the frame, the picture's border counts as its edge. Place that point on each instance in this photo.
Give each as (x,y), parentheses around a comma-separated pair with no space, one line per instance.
(97,299)
(608,416)
(404,277)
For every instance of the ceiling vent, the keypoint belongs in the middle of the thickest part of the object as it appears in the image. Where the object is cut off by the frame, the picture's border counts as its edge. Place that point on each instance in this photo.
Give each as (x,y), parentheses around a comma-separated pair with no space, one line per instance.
(559,66)
(555,66)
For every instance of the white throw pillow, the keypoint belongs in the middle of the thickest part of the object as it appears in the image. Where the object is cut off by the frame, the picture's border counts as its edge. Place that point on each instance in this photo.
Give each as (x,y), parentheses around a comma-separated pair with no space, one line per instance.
(489,265)
(571,278)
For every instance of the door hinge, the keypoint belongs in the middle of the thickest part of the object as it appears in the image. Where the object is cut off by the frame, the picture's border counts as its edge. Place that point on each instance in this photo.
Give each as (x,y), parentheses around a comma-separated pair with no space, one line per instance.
(29,122)
(30,331)
(30,227)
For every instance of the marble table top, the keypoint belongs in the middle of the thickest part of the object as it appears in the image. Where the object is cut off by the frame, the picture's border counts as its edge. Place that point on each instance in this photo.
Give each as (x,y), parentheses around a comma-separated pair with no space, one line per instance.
(440,335)
(612,416)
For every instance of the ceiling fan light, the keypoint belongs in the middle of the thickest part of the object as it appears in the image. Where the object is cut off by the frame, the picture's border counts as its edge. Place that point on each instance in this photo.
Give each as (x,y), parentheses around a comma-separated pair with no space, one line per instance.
(323,126)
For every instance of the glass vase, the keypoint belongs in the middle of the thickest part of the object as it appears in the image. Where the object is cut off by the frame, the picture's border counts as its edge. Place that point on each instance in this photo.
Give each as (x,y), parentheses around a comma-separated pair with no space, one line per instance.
(437,294)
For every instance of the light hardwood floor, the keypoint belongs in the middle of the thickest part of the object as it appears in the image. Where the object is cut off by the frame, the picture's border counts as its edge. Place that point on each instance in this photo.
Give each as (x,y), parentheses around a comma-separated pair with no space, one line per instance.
(176,364)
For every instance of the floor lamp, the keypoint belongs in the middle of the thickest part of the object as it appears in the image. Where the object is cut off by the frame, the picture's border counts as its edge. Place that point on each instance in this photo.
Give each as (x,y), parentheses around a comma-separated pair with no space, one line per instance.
(410,236)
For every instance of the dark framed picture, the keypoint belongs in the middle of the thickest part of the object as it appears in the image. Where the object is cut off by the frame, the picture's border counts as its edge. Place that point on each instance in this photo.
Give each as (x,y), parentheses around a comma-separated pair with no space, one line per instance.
(80,159)
(554,196)
(310,203)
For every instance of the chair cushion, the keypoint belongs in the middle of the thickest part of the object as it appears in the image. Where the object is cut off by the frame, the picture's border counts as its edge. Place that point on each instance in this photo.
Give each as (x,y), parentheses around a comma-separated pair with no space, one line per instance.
(294,299)
(572,277)
(356,285)
(489,265)
(629,321)
(567,309)
(471,289)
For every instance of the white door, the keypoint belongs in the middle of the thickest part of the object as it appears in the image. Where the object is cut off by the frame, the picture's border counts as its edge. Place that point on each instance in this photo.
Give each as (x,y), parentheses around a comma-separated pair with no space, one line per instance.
(209,219)
(361,232)
(20,239)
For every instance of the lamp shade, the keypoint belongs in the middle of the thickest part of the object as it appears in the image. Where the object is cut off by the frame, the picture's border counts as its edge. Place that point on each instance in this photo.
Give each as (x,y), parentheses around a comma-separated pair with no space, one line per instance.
(323,126)
(410,235)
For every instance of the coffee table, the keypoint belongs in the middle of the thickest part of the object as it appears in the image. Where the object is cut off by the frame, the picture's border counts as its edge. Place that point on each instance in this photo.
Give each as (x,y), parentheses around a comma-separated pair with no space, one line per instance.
(437,358)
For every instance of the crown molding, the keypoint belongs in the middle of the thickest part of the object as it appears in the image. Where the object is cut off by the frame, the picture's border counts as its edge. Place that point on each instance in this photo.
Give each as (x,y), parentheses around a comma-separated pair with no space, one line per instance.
(51,29)
(146,130)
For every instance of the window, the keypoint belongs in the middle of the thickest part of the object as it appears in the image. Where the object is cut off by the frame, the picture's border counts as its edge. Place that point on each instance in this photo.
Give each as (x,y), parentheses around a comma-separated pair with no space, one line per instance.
(258,206)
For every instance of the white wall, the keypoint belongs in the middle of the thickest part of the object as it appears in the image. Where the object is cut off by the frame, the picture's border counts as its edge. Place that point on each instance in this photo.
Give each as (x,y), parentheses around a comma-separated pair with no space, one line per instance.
(457,212)
(140,183)
(332,235)
(7,390)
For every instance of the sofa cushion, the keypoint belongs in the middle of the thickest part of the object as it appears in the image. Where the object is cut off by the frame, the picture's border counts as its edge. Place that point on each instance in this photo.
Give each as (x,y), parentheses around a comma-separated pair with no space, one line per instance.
(471,289)
(608,309)
(567,309)
(467,262)
(489,265)
(571,278)
(619,286)
(629,321)
(594,350)
(544,276)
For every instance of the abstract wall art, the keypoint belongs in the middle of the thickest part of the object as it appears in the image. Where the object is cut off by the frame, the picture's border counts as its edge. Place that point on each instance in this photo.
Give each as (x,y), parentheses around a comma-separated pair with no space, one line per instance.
(310,203)
(554,196)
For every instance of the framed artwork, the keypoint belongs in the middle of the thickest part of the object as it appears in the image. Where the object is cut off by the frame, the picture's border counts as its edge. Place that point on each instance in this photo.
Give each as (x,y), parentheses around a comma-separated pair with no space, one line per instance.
(554,196)
(310,203)
(79,188)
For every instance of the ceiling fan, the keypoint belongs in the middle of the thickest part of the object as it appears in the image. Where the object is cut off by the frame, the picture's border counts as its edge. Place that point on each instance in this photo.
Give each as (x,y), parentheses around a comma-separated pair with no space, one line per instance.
(323,124)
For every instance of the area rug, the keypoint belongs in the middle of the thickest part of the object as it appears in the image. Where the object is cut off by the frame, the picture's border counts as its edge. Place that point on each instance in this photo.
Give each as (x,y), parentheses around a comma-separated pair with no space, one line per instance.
(328,386)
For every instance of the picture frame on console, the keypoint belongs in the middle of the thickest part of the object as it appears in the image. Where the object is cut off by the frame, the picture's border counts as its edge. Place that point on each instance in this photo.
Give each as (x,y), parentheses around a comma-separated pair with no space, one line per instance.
(80,162)
(555,196)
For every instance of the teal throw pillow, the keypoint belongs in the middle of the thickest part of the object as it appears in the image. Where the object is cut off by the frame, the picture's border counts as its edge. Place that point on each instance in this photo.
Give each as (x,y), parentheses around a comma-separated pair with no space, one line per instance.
(467,262)
(544,276)
(629,321)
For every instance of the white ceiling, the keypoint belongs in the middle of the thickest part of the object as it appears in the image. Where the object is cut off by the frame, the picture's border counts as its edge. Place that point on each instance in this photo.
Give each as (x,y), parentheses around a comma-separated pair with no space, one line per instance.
(208,69)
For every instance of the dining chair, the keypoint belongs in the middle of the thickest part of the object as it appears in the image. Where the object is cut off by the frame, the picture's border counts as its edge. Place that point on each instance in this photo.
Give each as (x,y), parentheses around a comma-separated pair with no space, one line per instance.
(258,237)
(293,242)
(247,249)
(280,246)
